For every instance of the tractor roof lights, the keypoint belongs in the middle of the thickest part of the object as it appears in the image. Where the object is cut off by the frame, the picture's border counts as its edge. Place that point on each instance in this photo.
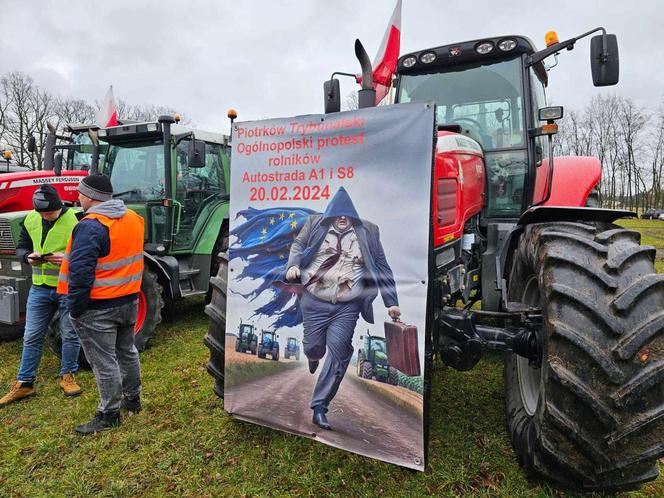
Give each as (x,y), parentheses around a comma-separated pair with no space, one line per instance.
(428,57)
(507,44)
(484,48)
(409,61)
(551,38)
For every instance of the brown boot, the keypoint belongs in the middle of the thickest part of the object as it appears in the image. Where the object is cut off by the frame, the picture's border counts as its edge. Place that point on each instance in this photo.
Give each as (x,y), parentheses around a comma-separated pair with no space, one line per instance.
(69,385)
(17,392)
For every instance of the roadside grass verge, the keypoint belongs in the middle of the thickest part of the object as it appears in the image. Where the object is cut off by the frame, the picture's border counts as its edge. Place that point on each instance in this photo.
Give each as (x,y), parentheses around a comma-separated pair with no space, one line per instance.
(240,373)
(184,444)
(386,392)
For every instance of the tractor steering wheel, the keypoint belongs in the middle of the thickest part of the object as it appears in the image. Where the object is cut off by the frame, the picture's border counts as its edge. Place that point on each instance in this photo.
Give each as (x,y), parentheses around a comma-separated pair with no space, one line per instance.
(475,124)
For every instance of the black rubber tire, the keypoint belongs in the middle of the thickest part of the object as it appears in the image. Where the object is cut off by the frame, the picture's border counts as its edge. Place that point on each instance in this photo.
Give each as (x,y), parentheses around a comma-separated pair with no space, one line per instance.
(54,342)
(218,253)
(275,354)
(392,376)
(11,332)
(596,419)
(297,355)
(252,347)
(367,370)
(153,292)
(215,339)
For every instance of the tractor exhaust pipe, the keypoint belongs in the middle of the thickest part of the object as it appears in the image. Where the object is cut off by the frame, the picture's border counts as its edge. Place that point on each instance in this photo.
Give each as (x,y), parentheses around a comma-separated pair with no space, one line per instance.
(366,96)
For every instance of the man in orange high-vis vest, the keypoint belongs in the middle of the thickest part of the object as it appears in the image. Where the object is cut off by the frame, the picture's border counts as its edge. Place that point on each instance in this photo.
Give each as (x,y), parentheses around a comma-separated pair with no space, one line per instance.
(101,275)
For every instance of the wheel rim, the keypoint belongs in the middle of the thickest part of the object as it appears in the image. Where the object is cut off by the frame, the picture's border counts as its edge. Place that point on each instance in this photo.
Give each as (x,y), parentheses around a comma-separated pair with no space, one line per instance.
(529,377)
(141,312)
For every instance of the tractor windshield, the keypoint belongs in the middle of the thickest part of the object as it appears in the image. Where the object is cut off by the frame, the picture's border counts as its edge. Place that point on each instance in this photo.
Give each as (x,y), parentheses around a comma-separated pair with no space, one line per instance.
(82,159)
(245,330)
(378,344)
(136,170)
(487,102)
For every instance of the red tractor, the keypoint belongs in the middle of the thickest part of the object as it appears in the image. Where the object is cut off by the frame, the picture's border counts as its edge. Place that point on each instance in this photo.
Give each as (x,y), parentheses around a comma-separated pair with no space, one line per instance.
(64,173)
(571,298)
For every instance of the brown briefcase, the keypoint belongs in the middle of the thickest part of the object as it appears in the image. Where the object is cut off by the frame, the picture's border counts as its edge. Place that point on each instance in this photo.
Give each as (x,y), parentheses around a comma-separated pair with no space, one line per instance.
(402,349)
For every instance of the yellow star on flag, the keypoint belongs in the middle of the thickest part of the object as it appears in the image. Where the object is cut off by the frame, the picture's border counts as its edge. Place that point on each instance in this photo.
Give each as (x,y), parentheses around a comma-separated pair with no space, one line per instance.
(264,231)
(292,215)
(271,221)
(293,224)
(282,216)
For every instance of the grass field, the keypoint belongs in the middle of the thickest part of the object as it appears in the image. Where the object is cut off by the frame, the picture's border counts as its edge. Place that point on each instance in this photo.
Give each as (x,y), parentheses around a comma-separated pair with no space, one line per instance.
(184,444)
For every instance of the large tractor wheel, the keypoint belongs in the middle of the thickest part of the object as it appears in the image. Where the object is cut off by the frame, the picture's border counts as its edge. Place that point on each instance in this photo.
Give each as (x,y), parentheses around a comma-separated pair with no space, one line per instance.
(592,415)
(366,371)
(392,376)
(297,355)
(215,339)
(148,316)
(275,354)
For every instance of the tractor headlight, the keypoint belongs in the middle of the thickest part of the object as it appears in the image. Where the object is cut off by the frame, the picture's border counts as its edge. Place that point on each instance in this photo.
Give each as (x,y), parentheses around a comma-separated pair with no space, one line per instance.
(409,61)
(428,57)
(507,45)
(484,48)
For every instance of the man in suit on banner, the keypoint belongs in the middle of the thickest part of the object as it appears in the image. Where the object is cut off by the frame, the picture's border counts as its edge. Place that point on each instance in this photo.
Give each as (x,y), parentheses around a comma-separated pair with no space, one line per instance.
(341,266)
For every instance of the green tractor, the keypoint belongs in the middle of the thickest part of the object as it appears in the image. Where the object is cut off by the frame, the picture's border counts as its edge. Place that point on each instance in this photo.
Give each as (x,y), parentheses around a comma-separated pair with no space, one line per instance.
(372,361)
(247,339)
(292,349)
(268,345)
(176,178)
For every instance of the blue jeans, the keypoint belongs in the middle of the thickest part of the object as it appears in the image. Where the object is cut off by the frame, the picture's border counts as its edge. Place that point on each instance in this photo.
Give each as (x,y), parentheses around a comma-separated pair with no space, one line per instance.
(40,308)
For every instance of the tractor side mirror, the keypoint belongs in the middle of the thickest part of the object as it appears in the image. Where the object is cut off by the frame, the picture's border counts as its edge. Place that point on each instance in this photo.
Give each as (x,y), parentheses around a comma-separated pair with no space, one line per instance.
(196,154)
(57,164)
(550,113)
(332,96)
(604,62)
(32,144)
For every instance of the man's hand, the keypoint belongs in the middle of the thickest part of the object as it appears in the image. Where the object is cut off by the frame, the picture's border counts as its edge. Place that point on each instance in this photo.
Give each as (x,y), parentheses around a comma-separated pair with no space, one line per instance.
(293,273)
(394,312)
(55,258)
(35,259)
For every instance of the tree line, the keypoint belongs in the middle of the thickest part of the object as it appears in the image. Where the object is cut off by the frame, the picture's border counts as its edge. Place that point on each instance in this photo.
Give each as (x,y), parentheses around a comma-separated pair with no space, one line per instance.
(26,108)
(629,142)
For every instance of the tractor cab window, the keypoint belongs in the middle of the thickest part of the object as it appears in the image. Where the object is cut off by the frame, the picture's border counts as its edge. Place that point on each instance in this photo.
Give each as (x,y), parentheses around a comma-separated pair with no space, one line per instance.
(486,100)
(81,160)
(136,170)
(245,330)
(196,190)
(378,344)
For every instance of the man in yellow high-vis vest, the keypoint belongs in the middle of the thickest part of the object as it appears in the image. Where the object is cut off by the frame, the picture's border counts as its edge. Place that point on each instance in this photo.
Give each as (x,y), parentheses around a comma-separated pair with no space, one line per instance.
(42,243)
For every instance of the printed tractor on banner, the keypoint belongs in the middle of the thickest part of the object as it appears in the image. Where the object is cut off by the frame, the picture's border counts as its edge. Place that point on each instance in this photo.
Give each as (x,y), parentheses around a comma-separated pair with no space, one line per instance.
(247,339)
(268,345)
(292,349)
(569,295)
(372,361)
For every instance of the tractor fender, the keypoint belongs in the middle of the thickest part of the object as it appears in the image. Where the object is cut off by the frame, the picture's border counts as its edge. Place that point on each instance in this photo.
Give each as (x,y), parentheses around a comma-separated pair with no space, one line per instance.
(574,177)
(167,269)
(546,214)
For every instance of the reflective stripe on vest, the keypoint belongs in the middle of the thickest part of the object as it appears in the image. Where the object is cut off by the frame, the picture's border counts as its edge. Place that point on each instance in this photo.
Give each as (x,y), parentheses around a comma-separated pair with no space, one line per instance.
(56,241)
(121,272)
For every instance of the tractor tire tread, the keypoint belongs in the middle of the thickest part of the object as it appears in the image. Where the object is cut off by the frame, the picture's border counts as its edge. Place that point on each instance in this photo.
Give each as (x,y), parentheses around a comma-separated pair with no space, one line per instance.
(600,317)
(215,339)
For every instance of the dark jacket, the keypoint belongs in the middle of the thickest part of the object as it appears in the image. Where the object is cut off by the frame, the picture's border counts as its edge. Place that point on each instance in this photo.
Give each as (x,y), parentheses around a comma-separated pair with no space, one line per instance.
(378,275)
(90,241)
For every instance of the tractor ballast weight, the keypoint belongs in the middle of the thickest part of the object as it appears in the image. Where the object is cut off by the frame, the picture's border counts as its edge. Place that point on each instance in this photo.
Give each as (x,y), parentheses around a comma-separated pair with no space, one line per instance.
(570,297)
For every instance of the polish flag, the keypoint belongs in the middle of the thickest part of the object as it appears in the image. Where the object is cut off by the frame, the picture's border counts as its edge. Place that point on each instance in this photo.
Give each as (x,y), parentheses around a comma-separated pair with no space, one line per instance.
(108,112)
(385,63)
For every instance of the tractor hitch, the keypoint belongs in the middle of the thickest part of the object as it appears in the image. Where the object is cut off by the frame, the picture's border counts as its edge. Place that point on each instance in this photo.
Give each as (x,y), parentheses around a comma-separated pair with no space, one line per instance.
(464,335)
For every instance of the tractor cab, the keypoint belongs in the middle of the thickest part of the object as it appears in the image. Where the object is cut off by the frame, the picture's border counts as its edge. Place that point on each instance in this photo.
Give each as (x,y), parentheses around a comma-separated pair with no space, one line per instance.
(176,178)
(292,349)
(487,90)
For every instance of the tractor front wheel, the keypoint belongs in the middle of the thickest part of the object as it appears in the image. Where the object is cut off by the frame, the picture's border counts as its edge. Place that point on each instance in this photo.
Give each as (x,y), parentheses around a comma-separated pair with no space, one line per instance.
(392,376)
(367,370)
(215,339)
(590,415)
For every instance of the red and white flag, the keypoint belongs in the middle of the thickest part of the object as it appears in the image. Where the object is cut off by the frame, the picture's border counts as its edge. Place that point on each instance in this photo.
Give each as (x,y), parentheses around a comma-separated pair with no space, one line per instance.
(385,63)
(108,112)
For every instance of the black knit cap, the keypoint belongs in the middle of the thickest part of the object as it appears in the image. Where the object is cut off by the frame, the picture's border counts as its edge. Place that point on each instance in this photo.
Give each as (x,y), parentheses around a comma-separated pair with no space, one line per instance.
(97,187)
(46,199)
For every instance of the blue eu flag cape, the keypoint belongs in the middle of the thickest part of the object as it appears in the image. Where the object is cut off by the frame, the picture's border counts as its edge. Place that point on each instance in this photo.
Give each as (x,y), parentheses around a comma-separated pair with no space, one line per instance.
(263,242)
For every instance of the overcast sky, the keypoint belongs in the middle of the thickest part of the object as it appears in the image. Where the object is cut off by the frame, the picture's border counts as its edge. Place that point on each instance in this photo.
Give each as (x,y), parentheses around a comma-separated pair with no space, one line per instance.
(269,59)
